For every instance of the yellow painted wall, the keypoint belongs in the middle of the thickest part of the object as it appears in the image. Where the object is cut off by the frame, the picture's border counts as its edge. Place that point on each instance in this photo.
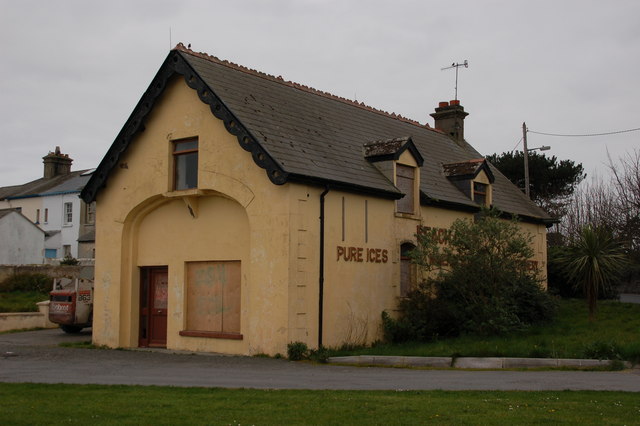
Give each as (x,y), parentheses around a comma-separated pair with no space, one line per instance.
(141,223)
(240,215)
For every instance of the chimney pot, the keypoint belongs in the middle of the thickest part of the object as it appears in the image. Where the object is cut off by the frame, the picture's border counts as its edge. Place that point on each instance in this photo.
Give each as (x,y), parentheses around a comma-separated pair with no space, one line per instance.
(56,163)
(449,117)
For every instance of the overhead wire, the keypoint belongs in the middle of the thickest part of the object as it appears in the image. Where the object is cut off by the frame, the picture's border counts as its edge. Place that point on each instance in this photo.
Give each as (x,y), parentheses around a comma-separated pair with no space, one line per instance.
(584,135)
(514,148)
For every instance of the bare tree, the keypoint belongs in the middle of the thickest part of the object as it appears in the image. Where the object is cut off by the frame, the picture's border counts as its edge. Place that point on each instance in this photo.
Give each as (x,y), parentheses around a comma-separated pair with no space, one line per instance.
(626,183)
(593,203)
(612,203)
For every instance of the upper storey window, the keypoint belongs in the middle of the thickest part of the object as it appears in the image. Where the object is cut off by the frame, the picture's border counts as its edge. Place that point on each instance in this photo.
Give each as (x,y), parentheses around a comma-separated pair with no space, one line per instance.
(480,193)
(405,181)
(473,178)
(185,162)
(400,161)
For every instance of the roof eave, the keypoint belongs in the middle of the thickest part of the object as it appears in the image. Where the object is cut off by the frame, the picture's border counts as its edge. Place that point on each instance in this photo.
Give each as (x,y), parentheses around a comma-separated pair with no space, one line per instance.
(176,64)
(343,186)
(425,200)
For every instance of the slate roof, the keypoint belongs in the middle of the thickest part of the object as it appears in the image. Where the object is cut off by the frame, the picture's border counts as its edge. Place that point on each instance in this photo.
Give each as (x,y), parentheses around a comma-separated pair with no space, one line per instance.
(61,184)
(299,134)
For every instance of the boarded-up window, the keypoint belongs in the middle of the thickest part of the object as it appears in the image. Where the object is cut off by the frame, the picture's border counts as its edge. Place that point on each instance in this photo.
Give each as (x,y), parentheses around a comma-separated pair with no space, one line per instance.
(213,296)
(407,269)
(405,177)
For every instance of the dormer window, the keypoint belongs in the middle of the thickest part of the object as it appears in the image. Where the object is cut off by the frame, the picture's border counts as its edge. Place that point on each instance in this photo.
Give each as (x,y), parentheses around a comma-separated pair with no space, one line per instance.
(400,161)
(480,192)
(405,181)
(473,178)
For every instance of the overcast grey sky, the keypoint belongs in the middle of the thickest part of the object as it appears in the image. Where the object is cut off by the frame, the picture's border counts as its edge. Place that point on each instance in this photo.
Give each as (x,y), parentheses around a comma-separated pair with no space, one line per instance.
(72,71)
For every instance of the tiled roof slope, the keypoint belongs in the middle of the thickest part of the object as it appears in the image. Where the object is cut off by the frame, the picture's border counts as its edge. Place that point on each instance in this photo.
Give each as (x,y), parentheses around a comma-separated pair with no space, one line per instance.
(72,182)
(313,136)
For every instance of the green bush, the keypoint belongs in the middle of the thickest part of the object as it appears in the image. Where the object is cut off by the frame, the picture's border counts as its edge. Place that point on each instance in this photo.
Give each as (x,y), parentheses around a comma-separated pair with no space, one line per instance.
(27,282)
(479,282)
(603,350)
(297,351)
(69,260)
(320,355)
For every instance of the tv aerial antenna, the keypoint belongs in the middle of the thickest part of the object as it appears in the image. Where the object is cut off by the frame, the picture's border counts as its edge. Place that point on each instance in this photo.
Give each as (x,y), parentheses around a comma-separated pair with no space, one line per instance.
(456,65)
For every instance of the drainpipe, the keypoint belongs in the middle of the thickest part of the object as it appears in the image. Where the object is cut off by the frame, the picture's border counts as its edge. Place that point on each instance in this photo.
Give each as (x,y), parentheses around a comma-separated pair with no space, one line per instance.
(321,274)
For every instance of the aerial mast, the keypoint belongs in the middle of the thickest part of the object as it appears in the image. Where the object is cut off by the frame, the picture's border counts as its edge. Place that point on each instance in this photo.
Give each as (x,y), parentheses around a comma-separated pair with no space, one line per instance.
(456,65)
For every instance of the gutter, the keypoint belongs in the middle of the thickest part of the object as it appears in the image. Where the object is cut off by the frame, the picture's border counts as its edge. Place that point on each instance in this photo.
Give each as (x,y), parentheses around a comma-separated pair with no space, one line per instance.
(321,267)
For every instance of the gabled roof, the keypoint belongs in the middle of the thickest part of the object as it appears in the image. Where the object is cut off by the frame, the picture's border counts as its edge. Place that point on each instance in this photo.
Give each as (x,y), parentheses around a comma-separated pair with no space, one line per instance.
(299,134)
(67,183)
(391,149)
(468,169)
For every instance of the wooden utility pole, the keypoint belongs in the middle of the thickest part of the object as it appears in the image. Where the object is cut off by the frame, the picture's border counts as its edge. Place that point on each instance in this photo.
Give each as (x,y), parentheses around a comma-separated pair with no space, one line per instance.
(526,160)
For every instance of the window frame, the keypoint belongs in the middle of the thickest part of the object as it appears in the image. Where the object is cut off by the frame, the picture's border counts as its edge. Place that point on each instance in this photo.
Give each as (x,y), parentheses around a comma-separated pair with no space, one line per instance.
(90,213)
(221,282)
(177,154)
(409,199)
(408,278)
(67,213)
(484,193)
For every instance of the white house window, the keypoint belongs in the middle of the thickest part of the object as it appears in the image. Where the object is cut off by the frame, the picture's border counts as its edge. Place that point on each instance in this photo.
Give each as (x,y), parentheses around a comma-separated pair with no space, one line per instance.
(67,213)
(46,215)
(37,215)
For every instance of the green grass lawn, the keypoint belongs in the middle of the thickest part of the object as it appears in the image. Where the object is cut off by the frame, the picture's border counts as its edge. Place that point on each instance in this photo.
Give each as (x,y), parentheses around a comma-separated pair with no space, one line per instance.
(615,334)
(27,404)
(21,301)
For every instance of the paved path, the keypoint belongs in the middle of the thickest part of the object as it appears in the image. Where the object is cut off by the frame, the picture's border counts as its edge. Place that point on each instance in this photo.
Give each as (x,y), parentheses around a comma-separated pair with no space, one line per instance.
(630,298)
(34,357)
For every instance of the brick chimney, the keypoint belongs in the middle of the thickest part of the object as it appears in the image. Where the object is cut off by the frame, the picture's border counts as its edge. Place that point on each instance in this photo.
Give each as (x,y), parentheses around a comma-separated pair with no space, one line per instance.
(449,117)
(56,164)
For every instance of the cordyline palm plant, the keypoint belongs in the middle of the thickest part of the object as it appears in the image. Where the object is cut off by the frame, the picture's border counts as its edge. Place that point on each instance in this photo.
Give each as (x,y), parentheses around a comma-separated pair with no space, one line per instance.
(594,261)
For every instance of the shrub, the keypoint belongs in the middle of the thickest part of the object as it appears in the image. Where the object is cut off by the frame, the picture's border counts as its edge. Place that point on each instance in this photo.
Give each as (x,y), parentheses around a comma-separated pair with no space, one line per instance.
(479,281)
(319,355)
(27,282)
(297,351)
(603,350)
(69,260)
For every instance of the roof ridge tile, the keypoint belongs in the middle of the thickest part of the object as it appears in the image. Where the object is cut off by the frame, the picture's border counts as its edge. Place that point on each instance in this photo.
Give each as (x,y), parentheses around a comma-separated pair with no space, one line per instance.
(279,79)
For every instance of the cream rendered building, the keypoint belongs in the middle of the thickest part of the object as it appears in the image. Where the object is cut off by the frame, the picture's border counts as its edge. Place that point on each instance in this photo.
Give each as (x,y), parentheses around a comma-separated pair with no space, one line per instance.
(238,212)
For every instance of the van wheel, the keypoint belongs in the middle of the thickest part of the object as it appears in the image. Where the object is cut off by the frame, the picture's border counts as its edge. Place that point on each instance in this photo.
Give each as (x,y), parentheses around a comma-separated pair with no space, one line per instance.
(71,329)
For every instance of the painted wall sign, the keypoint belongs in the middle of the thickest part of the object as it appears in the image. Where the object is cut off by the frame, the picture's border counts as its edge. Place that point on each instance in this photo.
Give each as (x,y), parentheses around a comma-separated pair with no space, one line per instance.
(362,254)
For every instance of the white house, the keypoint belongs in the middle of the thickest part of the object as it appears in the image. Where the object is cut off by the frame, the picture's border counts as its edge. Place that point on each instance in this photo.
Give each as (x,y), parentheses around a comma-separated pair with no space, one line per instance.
(53,204)
(21,242)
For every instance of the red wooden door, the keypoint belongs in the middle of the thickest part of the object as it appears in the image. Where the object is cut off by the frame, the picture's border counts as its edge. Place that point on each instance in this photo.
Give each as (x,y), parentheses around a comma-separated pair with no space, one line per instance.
(153,307)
